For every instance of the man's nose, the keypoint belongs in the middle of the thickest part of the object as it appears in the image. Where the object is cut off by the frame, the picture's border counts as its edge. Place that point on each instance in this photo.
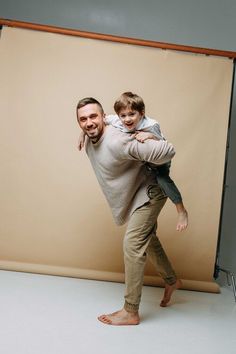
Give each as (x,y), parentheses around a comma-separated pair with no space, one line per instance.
(89,123)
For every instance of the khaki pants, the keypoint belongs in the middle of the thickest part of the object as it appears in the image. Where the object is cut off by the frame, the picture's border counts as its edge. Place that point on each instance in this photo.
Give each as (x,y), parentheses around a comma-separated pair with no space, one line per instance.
(141,240)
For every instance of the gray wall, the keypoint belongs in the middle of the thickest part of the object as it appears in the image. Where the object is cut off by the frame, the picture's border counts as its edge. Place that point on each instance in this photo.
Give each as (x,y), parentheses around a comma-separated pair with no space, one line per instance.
(202,23)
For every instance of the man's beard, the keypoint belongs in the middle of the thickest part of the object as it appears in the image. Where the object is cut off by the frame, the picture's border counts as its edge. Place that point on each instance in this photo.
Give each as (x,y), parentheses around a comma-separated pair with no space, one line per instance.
(94,136)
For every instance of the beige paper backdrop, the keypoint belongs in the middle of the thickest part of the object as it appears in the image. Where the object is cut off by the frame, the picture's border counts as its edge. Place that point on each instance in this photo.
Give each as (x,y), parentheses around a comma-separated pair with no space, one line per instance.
(54,218)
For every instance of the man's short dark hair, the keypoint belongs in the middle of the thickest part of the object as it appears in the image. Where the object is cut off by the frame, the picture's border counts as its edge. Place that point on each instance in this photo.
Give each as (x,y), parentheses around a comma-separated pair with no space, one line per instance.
(88,100)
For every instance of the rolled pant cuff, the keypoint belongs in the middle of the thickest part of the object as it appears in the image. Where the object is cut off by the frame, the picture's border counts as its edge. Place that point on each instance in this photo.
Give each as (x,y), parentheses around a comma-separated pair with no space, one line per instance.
(131,307)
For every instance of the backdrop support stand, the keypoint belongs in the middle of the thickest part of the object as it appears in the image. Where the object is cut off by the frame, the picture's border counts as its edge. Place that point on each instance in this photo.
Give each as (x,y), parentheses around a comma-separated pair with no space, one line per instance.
(229,275)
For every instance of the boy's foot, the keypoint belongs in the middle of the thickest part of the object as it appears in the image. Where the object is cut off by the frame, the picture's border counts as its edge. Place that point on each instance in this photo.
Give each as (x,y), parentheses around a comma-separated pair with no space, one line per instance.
(120,318)
(169,289)
(182,222)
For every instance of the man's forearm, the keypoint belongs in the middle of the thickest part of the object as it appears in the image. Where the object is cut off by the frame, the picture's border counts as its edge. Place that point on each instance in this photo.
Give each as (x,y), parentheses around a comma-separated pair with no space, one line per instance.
(156,152)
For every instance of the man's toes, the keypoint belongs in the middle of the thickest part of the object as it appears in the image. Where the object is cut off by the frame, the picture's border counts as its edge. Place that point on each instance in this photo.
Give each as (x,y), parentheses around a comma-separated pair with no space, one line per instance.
(104,319)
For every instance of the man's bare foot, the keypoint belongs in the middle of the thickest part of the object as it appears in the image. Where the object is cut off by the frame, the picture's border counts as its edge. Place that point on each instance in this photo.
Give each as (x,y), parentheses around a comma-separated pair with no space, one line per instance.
(169,289)
(182,222)
(120,318)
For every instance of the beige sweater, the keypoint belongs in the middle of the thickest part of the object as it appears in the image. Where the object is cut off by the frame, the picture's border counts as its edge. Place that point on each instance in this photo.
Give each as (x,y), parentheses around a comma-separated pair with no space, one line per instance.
(117,160)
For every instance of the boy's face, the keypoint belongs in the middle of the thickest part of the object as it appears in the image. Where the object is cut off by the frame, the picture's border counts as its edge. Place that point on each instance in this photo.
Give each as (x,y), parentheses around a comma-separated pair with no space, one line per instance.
(130,118)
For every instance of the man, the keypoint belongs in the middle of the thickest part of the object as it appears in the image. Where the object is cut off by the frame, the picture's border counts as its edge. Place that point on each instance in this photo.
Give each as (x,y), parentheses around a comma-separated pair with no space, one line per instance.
(133,195)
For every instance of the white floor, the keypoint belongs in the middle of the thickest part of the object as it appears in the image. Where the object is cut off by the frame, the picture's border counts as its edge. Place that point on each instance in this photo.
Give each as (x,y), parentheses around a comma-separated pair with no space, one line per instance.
(54,315)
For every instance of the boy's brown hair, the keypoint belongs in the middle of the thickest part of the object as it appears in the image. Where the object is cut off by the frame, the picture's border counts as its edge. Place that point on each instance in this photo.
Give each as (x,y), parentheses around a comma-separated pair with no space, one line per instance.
(129,100)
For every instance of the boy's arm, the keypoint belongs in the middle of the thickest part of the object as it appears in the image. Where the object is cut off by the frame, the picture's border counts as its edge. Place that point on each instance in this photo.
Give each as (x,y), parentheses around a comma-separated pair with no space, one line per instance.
(150,132)
(111,119)
(141,136)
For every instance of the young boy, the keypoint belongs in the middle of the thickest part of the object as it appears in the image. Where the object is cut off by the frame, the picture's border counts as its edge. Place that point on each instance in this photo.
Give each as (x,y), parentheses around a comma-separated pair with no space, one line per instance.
(130,118)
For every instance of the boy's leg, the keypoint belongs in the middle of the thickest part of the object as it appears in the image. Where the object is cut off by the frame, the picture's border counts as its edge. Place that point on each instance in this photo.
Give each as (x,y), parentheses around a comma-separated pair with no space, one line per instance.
(170,189)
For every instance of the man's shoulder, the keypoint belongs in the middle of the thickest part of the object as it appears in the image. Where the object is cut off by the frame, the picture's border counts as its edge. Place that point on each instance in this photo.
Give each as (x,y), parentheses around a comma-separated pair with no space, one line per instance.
(111,137)
(113,131)
(116,137)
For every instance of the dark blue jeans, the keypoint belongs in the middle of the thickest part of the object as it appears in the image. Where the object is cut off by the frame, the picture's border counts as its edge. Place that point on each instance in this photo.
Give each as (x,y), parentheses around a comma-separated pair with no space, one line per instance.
(162,173)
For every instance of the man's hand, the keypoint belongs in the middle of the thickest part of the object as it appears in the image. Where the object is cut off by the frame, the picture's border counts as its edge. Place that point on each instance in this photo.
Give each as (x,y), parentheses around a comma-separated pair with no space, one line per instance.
(142,136)
(81,141)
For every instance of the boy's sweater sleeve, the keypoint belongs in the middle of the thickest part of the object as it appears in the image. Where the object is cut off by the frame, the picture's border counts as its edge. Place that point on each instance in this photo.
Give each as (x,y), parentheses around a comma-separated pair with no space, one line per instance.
(156,130)
(156,152)
(111,119)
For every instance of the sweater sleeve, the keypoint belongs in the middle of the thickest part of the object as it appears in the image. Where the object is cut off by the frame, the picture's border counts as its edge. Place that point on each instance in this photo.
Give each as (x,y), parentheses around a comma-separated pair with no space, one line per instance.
(113,119)
(152,126)
(156,130)
(156,152)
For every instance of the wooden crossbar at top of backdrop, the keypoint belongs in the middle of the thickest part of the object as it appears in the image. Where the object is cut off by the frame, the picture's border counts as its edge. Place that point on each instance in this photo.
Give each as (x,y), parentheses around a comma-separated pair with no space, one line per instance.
(107,37)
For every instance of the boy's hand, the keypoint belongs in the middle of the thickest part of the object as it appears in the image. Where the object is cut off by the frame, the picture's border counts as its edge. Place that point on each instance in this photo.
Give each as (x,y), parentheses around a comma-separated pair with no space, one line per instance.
(81,141)
(142,136)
